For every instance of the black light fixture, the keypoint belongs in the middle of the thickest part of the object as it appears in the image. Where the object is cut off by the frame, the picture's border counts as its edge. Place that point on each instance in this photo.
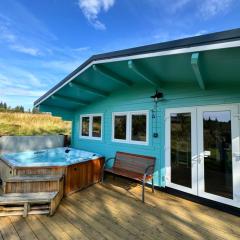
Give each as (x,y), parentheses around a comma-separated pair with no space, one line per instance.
(157,96)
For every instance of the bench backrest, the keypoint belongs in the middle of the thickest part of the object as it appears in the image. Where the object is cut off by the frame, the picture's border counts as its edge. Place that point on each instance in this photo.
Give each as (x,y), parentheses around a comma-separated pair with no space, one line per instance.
(133,162)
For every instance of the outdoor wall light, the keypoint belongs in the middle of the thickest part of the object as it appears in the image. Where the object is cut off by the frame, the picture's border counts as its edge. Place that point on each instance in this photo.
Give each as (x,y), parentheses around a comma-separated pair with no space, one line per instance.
(156,98)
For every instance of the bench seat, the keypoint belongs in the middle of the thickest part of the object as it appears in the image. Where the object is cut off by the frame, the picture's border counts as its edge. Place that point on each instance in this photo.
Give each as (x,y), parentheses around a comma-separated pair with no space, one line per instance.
(133,166)
(126,173)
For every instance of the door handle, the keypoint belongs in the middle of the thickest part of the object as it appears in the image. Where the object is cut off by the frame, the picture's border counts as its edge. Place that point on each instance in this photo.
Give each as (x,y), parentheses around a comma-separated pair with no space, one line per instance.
(207,153)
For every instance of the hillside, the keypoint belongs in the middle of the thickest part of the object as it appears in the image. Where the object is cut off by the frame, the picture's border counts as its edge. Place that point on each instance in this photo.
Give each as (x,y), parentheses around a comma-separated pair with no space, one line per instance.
(32,124)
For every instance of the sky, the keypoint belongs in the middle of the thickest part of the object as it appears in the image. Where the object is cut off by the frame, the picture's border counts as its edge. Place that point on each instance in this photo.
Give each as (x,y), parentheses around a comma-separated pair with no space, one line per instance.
(41,42)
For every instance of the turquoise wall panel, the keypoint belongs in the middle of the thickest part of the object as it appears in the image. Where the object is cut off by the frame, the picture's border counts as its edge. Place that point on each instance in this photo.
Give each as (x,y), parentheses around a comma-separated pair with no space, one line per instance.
(138,98)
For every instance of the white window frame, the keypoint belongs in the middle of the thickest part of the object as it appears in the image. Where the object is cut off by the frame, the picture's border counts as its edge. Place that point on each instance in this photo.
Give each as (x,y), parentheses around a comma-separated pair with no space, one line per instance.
(128,115)
(91,125)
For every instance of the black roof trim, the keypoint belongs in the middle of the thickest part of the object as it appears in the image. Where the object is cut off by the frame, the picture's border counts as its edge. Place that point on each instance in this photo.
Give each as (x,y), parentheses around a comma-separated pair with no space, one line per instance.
(218,37)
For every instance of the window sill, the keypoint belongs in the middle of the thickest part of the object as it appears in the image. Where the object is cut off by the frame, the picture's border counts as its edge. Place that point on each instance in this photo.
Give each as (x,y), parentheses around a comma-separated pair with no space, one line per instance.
(90,138)
(131,142)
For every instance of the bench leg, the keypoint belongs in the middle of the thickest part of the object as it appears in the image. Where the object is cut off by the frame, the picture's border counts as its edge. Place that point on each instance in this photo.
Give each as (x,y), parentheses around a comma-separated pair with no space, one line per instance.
(102,176)
(152,186)
(143,190)
(25,209)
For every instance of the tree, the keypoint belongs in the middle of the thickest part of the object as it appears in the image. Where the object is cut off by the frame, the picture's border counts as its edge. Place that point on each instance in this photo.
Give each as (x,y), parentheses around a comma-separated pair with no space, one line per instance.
(3,106)
(18,109)
(35,110)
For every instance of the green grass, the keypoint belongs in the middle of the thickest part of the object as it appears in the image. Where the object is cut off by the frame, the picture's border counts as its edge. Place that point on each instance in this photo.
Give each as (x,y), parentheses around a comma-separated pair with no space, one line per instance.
(20,124)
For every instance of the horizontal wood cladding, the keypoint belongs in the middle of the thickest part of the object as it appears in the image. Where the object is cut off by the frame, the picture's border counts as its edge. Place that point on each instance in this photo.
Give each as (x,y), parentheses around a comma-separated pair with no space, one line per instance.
(26,187)
(137,98)
(39,171)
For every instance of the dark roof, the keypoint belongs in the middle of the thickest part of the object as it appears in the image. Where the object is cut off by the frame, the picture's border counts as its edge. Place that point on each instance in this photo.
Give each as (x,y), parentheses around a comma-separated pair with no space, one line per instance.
(218,37)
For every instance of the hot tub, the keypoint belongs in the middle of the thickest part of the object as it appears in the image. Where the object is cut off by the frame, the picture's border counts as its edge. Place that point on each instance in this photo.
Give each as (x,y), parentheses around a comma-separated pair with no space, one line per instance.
(80,168)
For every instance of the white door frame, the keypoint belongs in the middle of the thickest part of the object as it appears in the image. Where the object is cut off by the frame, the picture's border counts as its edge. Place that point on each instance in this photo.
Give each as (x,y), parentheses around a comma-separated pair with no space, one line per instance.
(168,112)
(197,151)
(234,110)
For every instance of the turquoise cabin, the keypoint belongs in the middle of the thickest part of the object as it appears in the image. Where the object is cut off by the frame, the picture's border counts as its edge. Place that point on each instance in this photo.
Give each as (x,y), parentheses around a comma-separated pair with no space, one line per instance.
(178,101)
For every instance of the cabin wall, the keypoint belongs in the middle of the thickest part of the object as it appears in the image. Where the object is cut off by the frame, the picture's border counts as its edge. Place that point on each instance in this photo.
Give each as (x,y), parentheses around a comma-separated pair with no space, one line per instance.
(138,98)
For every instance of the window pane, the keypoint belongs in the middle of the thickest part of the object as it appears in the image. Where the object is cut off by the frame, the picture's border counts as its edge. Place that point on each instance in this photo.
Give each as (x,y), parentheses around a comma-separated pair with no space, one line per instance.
(181,153)
(139,127)
(96,128)
(218,174)
(120,127)
(85,126)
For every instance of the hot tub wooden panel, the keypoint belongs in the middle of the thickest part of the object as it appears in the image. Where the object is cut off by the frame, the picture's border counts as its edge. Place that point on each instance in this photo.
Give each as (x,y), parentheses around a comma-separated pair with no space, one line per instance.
(39,170)
(82,175)
(76,176)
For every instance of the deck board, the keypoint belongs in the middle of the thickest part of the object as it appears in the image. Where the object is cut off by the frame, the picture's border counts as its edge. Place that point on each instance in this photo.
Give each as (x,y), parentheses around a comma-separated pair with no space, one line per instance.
(22,228)
(38,228)
(114,210)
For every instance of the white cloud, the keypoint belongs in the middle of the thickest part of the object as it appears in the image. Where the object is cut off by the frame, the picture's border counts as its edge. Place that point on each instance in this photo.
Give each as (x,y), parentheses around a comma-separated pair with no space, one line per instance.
(211,8)
(178,4)
(9,87)
(15,91)
(92,8)
(3,78)
(15,76)
(13,41)
(63,66)
(26,50)
(6,34)
(32,79)
(167,36)
(201,32)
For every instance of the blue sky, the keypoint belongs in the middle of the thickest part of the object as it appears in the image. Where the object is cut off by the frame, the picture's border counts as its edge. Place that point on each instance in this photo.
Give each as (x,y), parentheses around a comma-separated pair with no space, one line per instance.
(43,41)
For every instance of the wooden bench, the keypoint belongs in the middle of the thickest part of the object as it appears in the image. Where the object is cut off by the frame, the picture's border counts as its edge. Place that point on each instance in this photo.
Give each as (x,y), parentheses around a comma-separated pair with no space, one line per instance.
(137,167)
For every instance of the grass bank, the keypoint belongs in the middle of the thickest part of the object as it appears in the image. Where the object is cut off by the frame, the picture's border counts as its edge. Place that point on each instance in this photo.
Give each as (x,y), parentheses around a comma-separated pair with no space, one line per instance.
(32,124)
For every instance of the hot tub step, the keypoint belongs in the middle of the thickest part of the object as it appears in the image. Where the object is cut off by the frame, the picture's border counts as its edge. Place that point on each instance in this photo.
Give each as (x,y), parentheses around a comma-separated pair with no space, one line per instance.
(19,198)
(29,203)
(31,184)
(34,178)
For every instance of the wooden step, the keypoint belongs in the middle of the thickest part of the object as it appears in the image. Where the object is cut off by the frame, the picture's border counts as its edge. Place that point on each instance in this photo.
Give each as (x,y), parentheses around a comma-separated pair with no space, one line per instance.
(20,198)
(20,213)
(16,204)
(34,178)
(13,208)
(21,208)
(38,207)
(33,183)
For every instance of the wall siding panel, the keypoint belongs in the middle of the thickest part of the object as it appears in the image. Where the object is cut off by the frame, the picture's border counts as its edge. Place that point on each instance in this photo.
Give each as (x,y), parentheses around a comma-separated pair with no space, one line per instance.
(138,98)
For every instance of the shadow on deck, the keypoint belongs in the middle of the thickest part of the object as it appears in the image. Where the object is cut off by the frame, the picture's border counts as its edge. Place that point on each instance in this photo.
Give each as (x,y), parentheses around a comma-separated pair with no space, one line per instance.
(114,210)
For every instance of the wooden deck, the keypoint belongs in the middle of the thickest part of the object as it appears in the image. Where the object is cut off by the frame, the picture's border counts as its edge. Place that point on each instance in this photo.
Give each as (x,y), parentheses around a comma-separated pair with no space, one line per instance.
(114,210)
